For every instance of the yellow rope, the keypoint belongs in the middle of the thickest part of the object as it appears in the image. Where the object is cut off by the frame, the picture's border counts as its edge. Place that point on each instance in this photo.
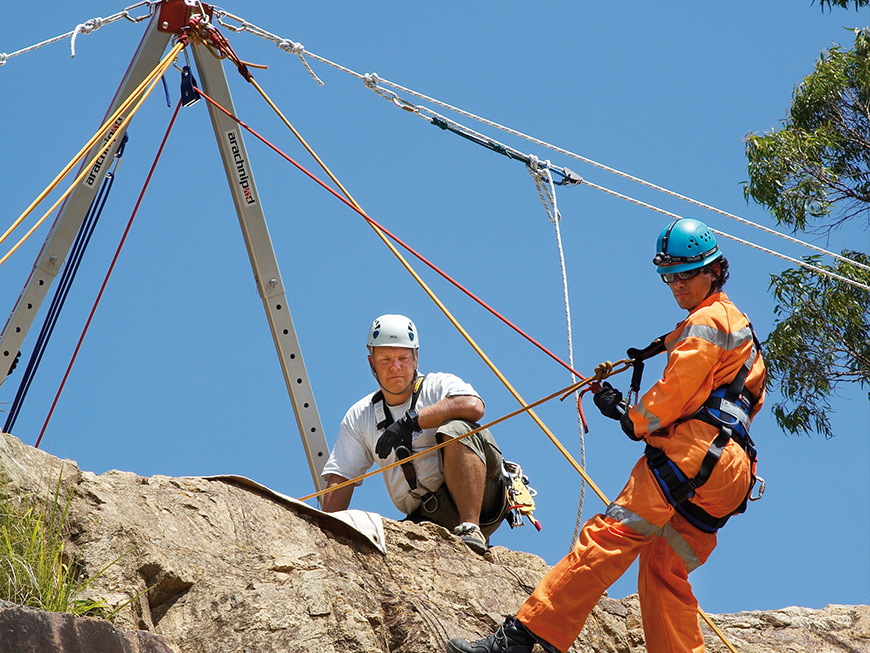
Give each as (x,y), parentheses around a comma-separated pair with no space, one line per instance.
(151,79)
(438,302)
(490,364)
(564,392)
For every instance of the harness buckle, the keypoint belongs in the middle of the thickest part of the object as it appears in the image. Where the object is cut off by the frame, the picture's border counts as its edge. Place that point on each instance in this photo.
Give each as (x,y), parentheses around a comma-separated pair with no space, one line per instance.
(426,499)
(761,485)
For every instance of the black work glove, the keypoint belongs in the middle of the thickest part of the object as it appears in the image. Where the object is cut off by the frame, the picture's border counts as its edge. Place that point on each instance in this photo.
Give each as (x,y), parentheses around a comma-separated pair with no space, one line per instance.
(609,401)
(396,434)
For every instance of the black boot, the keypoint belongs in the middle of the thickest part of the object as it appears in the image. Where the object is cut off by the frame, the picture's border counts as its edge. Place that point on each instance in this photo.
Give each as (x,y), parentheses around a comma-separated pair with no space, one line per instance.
(511,637)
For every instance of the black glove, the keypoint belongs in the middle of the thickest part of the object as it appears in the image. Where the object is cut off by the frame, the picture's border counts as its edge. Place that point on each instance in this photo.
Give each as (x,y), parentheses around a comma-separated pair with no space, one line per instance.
(609,400)
(396,434)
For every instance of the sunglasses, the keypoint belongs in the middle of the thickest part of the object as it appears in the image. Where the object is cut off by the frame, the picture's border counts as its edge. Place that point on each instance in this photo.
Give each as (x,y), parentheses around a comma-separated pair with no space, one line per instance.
(670,277)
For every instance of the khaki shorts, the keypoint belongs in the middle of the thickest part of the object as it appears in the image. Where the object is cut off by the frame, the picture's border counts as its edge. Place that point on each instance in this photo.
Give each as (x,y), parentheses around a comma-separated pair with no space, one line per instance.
(439,506)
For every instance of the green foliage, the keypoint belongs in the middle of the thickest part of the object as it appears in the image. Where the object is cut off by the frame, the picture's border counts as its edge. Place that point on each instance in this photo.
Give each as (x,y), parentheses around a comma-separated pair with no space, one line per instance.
(35,570)
(821,342)
(830,4)
(814,175)
(820,160)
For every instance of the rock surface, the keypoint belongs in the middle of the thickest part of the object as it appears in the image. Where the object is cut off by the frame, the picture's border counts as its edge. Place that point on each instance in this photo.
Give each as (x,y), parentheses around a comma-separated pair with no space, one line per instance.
(32,631)
(217,567)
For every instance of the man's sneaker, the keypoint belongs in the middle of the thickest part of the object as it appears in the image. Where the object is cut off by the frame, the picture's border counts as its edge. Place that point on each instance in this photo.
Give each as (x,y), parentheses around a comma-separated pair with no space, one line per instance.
(511,637)
(472,536)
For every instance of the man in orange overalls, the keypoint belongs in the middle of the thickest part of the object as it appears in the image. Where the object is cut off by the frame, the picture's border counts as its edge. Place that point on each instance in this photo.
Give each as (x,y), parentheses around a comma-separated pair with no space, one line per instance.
(698,469)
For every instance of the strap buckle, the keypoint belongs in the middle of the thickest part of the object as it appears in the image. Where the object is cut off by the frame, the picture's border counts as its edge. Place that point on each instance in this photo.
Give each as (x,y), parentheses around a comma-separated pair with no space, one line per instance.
(426,499)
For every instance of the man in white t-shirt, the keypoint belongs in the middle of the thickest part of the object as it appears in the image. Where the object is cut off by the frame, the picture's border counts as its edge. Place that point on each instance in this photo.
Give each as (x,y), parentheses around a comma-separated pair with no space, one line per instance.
(459,486)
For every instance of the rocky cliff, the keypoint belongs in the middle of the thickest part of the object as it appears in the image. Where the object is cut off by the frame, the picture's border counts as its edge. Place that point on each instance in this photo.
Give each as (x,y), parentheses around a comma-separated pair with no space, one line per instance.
(220,566)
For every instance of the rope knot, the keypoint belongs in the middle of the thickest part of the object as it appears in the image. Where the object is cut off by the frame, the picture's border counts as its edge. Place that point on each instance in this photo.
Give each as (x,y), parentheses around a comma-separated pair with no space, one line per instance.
(291,46)
(90,25)
(3,58)
(603,370)
(533,163)
(371,80)
(84,28)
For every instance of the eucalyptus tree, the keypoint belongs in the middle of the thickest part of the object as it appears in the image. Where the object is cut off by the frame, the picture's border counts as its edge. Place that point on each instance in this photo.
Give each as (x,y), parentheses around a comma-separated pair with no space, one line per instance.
(813,174)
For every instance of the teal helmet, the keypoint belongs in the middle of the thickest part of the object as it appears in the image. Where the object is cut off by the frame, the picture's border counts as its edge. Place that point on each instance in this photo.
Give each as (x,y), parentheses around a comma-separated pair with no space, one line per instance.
(685,244)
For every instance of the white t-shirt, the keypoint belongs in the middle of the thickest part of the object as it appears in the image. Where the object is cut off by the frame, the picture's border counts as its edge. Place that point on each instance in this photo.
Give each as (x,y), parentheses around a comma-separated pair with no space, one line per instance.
(354,452)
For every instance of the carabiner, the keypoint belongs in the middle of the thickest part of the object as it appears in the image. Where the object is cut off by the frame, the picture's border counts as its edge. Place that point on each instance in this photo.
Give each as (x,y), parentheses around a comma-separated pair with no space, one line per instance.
(760,489)
(138,19)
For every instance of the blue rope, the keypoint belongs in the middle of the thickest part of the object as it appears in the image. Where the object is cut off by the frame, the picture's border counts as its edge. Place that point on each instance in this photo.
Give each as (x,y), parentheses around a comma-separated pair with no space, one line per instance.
(75,258)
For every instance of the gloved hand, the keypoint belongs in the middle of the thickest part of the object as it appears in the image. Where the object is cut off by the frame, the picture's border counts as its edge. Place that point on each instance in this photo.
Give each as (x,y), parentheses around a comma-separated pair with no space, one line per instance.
(396,434)
(609,400)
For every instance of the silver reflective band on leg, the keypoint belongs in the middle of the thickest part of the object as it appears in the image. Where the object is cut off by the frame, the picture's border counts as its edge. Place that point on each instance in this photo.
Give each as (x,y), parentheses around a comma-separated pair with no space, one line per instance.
(637,523)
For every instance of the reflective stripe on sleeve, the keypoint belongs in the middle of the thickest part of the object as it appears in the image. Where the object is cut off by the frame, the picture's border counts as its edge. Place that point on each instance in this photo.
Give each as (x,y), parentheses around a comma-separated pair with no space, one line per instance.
(726,341)
(637,523)
(653,422)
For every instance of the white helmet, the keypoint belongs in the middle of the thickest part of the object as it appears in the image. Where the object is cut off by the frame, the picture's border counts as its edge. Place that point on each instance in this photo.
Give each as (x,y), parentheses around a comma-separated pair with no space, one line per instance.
(393,331)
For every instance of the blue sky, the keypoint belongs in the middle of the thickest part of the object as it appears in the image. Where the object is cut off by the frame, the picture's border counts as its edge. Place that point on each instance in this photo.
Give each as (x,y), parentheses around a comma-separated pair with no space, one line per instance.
(178,374)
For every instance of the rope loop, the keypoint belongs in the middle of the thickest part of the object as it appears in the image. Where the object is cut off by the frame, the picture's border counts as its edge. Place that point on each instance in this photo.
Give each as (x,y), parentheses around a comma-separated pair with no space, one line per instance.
(546,189)
(3,58)
(371,82)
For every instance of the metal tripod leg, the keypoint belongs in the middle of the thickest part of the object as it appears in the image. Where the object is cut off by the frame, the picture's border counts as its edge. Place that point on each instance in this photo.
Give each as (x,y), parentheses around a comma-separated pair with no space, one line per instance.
(268,277)
(74,210)
(251,219)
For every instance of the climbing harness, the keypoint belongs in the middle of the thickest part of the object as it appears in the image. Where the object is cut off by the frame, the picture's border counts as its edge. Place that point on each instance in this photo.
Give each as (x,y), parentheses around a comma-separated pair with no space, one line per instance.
(519,497)
(384,419)
(728,409)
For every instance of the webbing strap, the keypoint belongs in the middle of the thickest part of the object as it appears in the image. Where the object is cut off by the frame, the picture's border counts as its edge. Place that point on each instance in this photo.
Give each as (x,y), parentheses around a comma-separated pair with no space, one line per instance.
(385,419)
(638,356)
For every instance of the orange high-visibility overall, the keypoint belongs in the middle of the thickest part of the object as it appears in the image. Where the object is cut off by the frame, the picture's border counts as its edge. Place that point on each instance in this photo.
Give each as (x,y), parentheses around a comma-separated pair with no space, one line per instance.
(705,352)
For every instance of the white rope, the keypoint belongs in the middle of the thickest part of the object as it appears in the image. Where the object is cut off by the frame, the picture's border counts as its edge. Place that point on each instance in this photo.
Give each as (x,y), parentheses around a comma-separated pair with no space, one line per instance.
(576,179)
(622,174)
(547,192)
(795,261)
(86,28)
(286,45)
(373,81)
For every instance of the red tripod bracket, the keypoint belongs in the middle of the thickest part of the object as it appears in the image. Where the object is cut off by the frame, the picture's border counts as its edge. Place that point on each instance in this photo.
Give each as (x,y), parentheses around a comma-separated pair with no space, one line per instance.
(175,15)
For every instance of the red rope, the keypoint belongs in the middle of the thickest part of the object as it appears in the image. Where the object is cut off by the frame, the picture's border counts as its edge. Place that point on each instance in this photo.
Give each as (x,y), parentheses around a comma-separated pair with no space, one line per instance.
(108,274)
(395,238)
